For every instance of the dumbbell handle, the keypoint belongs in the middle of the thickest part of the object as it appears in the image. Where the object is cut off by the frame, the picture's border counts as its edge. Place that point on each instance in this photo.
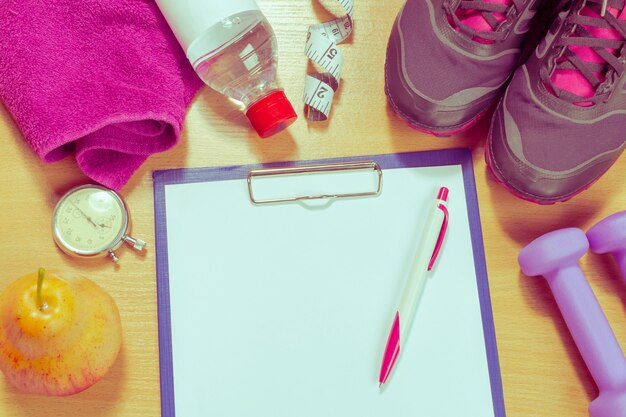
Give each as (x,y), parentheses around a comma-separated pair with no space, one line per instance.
(589,327)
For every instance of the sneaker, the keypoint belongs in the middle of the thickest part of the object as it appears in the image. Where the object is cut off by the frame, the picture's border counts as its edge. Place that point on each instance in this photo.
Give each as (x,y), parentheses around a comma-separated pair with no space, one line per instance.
(448,60)
(561,123)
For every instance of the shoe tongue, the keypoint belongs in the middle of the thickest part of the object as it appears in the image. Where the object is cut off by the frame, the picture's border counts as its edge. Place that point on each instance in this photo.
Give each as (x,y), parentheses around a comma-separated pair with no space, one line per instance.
(572,80)
(474,19)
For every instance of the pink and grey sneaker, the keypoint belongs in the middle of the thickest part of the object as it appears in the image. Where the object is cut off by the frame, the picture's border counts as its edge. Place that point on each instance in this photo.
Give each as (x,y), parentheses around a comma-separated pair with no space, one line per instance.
(562,121)
(448,60)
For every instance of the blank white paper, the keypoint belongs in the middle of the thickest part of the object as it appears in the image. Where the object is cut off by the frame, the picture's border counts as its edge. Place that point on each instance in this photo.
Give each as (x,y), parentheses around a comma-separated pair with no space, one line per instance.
(284,310)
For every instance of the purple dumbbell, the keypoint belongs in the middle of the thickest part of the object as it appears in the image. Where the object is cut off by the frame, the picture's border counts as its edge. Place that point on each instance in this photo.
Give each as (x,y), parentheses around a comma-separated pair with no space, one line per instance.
(555,255)
(609,236)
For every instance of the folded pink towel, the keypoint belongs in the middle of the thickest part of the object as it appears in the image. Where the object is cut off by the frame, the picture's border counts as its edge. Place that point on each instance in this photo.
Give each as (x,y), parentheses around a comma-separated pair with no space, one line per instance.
(103,79)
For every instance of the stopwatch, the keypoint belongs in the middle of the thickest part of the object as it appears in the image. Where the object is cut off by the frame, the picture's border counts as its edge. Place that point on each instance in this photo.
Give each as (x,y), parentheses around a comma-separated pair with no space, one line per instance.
(92,221)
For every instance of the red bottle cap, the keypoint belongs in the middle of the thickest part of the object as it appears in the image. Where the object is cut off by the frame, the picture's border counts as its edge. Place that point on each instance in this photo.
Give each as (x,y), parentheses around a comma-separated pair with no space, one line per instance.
(271,114)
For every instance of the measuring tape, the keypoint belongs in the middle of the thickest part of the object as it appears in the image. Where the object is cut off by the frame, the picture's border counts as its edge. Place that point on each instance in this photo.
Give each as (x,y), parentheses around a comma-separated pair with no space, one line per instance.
(321,48)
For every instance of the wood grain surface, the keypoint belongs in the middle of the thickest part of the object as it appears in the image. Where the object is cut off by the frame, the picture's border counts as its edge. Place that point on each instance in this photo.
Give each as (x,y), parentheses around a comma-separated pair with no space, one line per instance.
(542,372)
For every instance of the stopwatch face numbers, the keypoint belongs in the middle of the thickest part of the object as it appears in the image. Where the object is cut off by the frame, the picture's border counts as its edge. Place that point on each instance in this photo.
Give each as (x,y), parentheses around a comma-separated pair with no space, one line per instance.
(89,220)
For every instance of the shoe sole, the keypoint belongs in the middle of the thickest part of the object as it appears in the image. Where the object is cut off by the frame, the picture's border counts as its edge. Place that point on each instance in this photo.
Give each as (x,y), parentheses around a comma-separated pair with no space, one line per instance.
(431,130)
(427,129)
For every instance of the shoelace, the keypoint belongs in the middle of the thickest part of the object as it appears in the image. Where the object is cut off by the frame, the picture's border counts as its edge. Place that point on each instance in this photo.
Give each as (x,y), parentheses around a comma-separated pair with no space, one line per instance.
(494,14)
(608,59)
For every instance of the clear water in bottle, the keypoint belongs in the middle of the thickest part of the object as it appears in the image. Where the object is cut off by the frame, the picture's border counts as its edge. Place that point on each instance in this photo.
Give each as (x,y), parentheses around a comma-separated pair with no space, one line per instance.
(240,62)
(237,57)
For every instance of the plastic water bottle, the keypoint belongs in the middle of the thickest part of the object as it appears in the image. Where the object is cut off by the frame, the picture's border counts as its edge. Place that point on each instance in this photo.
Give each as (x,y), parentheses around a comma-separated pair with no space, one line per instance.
(232,47)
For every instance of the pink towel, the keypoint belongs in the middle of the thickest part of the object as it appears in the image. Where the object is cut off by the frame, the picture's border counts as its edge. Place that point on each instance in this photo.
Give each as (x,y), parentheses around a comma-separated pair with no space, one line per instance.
(105,80)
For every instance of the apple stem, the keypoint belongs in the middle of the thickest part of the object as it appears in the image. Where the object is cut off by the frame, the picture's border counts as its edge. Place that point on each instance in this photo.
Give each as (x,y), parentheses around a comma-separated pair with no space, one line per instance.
(40,303)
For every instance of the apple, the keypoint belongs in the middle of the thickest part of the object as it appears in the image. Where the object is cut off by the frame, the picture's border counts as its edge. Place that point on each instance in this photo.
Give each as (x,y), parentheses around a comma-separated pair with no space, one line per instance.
(59,335)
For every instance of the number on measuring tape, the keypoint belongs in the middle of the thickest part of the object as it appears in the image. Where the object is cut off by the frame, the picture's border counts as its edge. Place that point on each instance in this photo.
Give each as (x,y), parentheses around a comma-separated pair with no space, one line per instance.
(322,49)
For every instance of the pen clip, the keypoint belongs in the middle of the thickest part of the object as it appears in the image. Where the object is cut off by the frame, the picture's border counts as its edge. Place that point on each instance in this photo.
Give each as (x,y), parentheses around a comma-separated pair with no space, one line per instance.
(442,234)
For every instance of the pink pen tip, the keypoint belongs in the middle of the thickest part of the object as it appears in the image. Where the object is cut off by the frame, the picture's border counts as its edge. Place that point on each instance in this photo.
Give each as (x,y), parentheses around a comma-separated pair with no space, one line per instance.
(443,194)
(391,350)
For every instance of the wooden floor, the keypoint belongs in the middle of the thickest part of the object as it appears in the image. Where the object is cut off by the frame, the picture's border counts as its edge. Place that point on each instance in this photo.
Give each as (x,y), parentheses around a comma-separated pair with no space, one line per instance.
(542,372)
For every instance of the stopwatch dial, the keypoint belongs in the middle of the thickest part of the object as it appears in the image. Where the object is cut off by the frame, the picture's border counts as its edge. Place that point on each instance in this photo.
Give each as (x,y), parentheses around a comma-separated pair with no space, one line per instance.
(90,220)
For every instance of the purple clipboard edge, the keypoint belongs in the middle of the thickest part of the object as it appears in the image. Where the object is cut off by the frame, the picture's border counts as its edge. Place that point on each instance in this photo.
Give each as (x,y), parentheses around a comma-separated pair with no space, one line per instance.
(461,157)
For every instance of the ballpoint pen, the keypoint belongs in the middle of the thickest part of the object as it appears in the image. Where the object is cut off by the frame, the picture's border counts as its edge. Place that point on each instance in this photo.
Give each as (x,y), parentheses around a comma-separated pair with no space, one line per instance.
(427,253)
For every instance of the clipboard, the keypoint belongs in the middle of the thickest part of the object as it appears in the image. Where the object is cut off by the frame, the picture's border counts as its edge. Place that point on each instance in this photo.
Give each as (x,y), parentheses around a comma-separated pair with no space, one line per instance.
(279,310)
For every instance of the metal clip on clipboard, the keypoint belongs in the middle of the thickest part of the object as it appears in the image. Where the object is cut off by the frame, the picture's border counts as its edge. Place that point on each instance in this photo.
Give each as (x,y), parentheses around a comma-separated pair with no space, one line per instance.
(314,169)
